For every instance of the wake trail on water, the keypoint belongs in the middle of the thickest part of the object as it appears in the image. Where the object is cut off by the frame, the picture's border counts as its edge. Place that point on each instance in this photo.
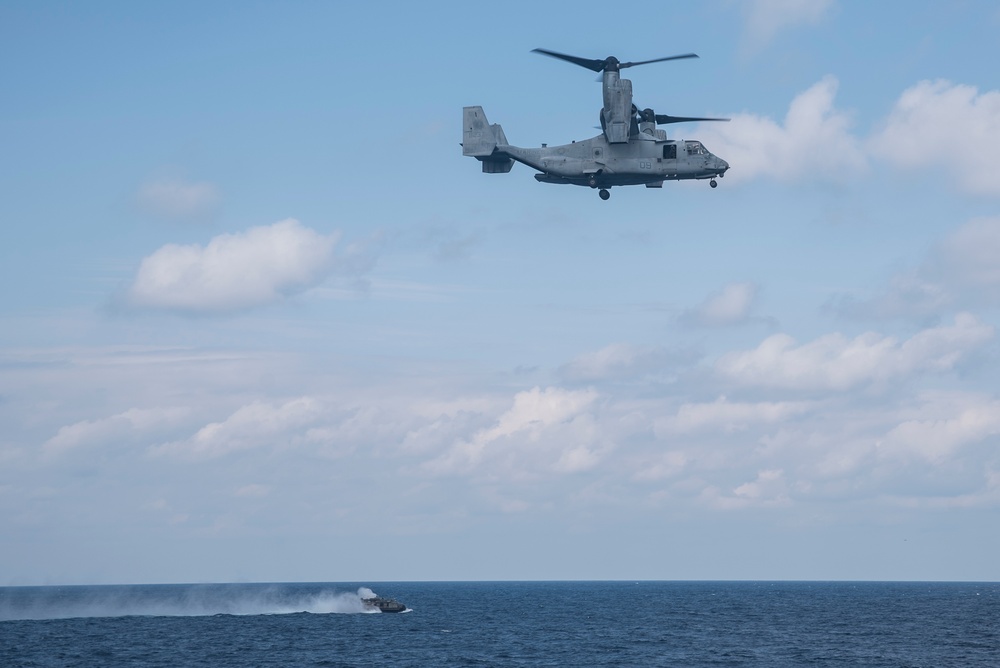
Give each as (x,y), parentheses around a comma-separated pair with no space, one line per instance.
(37,603)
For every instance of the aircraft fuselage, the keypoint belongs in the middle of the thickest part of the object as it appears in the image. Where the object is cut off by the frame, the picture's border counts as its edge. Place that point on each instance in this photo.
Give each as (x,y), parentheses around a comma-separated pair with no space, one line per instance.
(646,159)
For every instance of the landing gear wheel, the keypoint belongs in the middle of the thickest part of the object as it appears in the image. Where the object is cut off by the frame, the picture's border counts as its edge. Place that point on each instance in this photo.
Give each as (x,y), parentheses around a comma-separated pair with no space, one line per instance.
(713,183)
(604,194)
(592,182)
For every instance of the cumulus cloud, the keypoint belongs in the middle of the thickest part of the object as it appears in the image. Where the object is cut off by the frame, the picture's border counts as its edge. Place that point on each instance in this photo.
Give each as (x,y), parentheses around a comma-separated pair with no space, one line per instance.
(814,141)
(252,426)
(234,271)
(540,432)
(713,442)
(942,126)
(766,18)
(178,199)
(551,430)
(122,426)
(961,271)
(768,489)
(444,426)
(319,425)
(935,438)
(834,362)
(947,127)
(731,306)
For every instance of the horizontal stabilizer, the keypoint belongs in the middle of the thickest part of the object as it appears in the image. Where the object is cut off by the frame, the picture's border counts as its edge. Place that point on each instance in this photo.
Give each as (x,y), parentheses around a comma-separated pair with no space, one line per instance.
(496,165)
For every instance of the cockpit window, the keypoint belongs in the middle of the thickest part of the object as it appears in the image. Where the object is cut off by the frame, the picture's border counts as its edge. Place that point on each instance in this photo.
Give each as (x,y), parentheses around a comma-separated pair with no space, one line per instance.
(696,148)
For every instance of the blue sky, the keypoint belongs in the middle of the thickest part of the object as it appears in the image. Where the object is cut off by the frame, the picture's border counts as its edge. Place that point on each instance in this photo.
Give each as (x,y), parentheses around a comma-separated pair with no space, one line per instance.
(262,320)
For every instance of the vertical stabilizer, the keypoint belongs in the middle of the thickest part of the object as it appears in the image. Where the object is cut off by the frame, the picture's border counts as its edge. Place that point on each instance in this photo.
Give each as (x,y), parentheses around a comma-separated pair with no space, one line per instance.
(484,142)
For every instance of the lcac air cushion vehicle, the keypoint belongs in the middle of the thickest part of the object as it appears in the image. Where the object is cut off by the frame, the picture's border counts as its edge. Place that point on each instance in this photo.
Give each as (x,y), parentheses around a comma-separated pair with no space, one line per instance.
(630,150)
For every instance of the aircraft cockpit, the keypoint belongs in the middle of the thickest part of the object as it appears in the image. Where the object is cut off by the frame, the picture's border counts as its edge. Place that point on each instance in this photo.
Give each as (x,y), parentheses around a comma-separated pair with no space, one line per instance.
(696,148)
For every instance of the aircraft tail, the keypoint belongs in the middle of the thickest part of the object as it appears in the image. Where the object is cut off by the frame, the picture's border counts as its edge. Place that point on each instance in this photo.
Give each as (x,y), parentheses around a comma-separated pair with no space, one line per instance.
(484,142)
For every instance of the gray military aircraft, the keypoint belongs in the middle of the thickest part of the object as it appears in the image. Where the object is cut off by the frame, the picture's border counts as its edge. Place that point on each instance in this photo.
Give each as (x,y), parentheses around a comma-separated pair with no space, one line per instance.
(630,150)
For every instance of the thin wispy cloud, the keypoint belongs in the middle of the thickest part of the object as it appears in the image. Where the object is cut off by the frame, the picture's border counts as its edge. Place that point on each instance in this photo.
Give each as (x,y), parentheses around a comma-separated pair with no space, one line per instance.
(765,19)
(958,272)
(622,361)
(178,199)
(733,305)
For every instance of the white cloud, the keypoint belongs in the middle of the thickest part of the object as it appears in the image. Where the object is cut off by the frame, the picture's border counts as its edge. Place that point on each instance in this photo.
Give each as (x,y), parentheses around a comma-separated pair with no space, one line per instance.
(234,271)
(252,426)
(768,485)
(446,426)
(949,128)
(766,18)
(815,141)
(178,199)
(538,408)
(662,465)
(694,445)
(323,426)
(967,258)
(907,295)
(723,415)
(946,127)
(252,491)
(616,362)
(935,438)
(731,306)
(769,489)
(545,430)
(345,429)
(126,425)
(834,362)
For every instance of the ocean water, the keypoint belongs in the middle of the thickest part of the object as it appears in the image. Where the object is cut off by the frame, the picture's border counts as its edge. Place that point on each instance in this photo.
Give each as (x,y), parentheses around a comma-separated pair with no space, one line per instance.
(684,624)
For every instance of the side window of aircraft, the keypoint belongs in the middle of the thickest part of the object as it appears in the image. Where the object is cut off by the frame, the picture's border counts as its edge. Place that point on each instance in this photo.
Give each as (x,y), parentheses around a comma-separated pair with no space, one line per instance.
(670,152)
(695,148)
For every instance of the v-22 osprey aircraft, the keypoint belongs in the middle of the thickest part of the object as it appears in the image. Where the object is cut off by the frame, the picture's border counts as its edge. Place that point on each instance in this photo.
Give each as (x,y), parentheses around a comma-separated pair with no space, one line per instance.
(630,150)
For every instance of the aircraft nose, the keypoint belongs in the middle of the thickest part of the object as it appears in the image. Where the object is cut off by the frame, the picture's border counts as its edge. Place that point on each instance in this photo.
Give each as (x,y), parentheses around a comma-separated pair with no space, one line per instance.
(723,165)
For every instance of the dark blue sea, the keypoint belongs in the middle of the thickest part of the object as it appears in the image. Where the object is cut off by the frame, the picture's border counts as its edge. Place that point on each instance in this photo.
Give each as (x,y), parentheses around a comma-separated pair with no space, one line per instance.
(689,624)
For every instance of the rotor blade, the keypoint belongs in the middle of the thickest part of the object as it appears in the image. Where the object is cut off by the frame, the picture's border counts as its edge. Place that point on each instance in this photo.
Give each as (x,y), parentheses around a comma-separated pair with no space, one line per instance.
(658,60)
(597,65)
(664,119)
